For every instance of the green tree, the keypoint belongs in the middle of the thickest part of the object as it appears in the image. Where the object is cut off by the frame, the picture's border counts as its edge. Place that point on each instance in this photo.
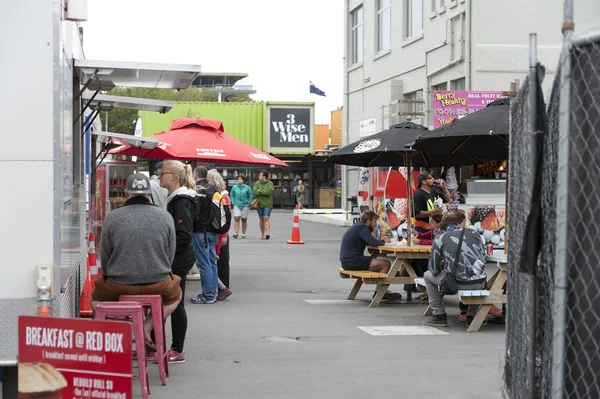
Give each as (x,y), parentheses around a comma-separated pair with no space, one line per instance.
(123,120)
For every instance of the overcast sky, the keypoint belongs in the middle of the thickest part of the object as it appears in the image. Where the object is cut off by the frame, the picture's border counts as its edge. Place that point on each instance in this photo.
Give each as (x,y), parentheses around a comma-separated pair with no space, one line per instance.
(281,44)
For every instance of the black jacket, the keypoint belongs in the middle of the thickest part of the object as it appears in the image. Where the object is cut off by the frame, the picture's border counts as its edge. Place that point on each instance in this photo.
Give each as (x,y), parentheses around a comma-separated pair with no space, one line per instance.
(181,207)
(204,195)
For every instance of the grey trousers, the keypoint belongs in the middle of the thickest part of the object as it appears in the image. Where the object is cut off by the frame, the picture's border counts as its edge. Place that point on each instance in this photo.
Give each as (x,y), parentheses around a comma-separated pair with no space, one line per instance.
(432,284)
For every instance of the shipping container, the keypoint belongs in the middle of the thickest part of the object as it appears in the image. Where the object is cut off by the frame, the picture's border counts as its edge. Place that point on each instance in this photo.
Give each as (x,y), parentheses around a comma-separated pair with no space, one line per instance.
(244,121)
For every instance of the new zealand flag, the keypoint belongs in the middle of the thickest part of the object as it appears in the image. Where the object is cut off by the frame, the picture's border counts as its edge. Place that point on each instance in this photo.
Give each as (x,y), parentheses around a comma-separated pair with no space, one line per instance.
(315,90)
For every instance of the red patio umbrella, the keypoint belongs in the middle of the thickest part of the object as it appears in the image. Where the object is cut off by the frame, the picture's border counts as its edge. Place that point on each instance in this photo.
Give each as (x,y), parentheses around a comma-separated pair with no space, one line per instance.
(202,140)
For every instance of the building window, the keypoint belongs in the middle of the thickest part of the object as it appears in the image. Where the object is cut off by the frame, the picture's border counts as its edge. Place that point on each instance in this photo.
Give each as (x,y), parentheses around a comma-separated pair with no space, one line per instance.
(458,84)
(441,86)
(357,35)
(414,104)
(414,18)
(384,25)
(433,6)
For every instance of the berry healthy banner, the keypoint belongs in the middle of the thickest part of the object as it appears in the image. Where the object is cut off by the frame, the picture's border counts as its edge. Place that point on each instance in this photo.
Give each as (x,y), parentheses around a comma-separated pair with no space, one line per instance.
(454,104)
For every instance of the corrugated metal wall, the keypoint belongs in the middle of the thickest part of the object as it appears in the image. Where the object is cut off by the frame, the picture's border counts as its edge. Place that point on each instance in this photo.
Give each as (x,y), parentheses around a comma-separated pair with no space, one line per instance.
(321,136)
(336,127)
(244,121)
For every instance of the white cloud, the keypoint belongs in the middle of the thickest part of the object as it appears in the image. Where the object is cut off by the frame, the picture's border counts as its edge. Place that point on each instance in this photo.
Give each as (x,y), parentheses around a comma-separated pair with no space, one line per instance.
(280,44)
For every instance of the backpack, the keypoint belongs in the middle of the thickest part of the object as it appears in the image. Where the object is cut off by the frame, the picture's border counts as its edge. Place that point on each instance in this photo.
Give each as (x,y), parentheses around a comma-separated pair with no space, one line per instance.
(220,214)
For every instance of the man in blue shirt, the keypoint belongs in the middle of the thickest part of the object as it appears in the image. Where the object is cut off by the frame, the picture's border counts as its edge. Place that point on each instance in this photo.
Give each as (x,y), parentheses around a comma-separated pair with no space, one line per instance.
(354,242)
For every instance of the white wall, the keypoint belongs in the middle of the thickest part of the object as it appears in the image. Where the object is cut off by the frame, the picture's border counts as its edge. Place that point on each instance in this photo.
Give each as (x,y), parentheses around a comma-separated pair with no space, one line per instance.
(500,38)
(496,32)
(27,153)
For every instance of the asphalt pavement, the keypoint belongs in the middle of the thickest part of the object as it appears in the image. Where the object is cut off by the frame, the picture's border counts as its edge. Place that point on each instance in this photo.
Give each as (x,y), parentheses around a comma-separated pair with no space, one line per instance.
(267,341)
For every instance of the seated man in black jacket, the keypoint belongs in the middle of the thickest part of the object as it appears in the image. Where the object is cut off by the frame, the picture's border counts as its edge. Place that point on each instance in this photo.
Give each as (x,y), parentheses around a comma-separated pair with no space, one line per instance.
(354,242)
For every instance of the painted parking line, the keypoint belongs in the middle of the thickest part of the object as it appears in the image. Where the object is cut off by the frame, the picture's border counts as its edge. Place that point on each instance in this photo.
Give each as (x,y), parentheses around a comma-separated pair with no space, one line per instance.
(329,301)
(402,330)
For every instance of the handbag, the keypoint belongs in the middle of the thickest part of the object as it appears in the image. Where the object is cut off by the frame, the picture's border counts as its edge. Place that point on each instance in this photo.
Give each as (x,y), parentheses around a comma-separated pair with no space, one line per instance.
(254,204)
(449,285)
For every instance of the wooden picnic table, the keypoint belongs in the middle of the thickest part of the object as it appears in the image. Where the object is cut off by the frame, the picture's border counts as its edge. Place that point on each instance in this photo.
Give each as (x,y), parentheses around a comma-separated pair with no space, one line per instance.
(496,287)
(401,271)
(494,294)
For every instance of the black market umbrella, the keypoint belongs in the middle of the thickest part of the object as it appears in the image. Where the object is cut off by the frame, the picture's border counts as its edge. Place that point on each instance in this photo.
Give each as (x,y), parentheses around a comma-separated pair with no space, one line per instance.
(481,136)
(390,148)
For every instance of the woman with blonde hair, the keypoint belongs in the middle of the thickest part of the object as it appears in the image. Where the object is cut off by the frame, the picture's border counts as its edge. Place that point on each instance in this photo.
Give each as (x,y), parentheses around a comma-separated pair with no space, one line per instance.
(222,249)
(177,178)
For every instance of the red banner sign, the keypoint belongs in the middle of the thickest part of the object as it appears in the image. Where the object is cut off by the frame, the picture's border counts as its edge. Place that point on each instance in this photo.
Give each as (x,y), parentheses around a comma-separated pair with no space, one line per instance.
(75,358)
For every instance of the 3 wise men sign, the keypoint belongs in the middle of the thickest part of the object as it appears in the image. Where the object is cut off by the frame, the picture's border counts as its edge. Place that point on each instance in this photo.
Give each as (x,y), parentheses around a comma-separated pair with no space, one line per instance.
(290,128)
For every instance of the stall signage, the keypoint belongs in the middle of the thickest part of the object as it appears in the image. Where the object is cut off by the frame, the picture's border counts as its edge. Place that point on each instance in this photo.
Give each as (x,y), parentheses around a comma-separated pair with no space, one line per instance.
(454,104)
(75,358)
(368,127)
(290,128)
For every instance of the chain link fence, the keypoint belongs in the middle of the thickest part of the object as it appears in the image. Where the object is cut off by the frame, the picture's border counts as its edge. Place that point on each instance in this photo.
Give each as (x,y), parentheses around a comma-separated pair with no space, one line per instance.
(553,310)
(581,329)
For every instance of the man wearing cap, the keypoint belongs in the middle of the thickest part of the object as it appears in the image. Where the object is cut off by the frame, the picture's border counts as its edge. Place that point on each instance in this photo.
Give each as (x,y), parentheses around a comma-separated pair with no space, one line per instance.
(159,194)
(138,247)
(425,198)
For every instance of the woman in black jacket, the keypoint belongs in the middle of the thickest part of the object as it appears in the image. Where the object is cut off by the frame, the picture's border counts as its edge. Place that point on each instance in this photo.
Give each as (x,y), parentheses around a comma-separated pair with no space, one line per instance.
(177,178)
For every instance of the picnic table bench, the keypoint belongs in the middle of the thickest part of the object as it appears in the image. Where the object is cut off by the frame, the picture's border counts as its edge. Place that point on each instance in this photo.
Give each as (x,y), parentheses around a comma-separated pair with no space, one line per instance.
(401,271)
(485,298)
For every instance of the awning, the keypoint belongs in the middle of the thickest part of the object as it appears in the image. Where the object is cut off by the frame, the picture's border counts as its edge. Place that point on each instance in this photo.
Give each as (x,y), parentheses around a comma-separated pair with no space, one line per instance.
(118,139)
(105,102)
(105,75)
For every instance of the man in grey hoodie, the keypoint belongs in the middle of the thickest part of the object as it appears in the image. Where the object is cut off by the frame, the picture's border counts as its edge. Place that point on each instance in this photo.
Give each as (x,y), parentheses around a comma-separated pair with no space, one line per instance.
(138,248)
(459,252)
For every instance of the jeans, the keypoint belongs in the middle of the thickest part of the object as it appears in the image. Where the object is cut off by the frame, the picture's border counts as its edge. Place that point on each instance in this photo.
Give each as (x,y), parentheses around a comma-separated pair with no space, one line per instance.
(432,284)
(206,260)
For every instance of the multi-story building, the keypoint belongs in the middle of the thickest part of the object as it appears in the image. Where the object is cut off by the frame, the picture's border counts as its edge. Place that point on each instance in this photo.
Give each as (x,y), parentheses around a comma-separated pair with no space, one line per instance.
(398,51)
(224,84)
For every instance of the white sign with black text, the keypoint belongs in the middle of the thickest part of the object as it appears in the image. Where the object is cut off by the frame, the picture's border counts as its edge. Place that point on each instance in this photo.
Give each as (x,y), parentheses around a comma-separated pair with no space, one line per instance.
(290,128)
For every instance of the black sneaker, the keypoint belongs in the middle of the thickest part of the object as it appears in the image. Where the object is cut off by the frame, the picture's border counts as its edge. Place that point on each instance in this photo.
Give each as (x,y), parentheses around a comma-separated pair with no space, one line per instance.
(497,319)
(437,320)
(390,296)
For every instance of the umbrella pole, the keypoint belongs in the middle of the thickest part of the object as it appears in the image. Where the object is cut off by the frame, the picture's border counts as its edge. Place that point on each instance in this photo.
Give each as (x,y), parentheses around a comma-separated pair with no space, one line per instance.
(409,201)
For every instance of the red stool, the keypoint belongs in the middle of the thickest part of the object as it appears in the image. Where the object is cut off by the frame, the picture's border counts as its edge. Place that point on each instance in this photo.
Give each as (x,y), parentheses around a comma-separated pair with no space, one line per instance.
(154,304)
(134,310)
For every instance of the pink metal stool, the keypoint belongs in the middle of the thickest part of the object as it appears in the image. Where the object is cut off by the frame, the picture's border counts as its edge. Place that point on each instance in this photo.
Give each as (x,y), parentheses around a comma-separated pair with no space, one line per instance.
(135,311)
(154,304)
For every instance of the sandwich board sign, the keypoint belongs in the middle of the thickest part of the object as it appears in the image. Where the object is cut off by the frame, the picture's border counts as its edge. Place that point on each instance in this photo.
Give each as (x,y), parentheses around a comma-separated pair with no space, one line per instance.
(74,358)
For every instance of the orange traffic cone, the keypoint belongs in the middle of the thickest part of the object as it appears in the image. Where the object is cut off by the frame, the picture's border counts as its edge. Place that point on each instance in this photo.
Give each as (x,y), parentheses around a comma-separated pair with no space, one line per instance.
(94,269)
(85,308)
(296,229)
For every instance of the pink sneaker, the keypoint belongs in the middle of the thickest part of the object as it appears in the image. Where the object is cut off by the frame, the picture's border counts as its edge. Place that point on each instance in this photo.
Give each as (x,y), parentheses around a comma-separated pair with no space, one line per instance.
(462,317)
(175,357)
(223,293)
(494,311)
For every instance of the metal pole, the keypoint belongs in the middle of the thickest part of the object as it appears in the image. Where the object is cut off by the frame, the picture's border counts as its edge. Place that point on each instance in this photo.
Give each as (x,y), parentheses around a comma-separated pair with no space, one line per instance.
(532,289)
(559,308)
